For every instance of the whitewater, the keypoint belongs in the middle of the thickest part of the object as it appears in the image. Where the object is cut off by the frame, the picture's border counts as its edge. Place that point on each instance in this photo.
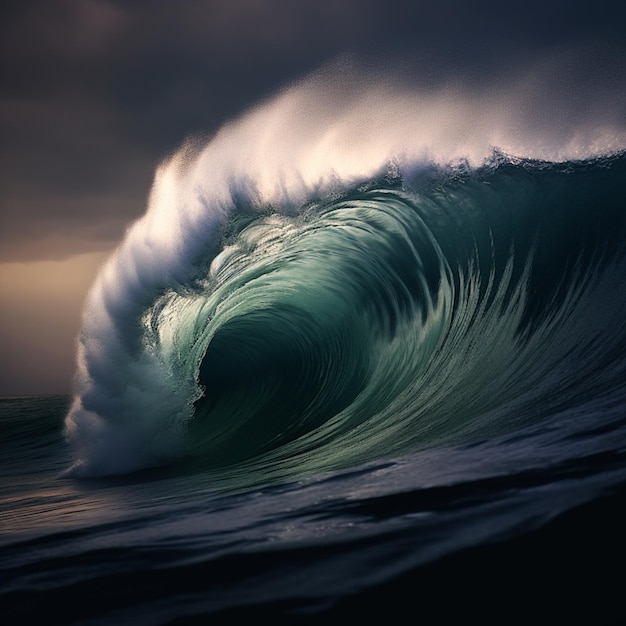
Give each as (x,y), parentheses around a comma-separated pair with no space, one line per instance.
(366,346)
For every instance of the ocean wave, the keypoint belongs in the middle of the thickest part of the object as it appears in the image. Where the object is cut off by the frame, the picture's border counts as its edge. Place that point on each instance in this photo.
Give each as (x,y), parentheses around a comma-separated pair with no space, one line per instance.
(355,272)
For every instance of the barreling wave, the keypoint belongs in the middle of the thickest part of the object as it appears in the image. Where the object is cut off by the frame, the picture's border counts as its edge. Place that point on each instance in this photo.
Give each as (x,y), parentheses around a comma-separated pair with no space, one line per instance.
(336,279)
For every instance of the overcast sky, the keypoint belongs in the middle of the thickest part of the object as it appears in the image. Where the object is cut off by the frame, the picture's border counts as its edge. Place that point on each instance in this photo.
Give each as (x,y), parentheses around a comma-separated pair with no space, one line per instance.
(94,94)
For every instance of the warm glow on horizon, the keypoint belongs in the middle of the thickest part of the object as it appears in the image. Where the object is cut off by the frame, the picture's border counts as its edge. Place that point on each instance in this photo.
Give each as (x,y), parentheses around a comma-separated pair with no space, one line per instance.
(40,311)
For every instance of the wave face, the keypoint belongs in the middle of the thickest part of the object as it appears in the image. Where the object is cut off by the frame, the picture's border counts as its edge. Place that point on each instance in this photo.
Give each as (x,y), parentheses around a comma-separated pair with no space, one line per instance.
(322,285)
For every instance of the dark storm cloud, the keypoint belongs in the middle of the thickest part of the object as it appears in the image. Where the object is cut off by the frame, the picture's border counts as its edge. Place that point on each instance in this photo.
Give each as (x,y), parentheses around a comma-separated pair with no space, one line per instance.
(93,93)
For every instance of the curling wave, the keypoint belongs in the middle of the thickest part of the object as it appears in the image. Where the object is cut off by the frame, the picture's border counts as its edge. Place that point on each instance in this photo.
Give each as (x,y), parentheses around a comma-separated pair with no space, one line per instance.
(304,295)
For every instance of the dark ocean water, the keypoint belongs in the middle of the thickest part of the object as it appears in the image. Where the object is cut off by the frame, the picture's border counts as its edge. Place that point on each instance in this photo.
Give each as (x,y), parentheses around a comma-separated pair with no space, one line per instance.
(522,528)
